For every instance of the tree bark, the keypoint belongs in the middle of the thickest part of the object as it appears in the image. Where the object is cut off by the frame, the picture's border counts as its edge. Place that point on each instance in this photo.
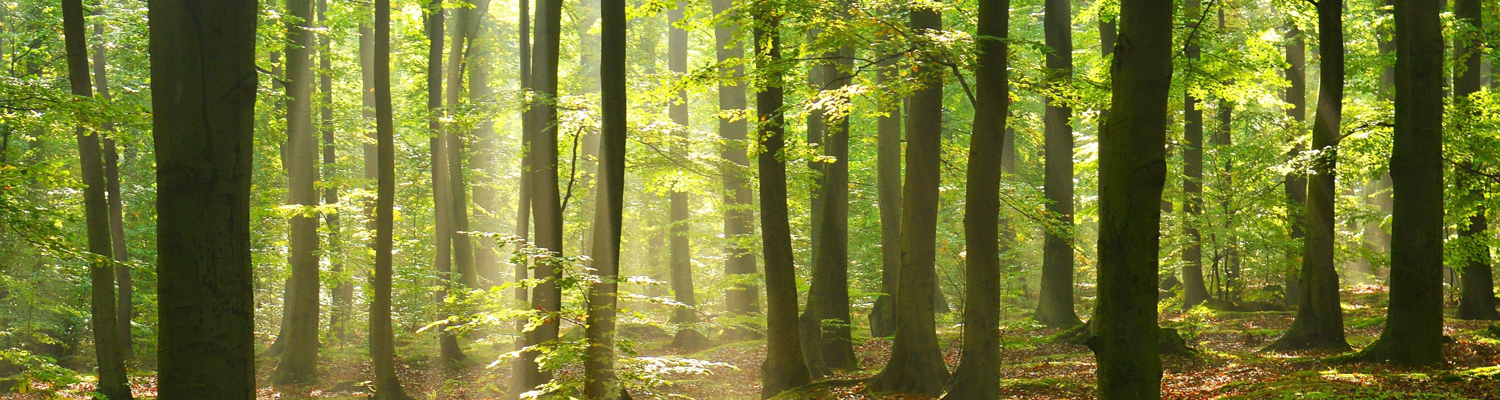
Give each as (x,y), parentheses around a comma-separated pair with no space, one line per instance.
(299,363)
(916,365)
(382,338)
(978,372)
(546,296)
(783,368)
(828,295)
(1295,181)
(123,298)
(1055,303)
(109,354)
(203,82)
(1478,293)
(743,296)
(600,381)
(888,184)
(681,260)
(1132,172)
(1320,320)
(809,325)
(1192,174)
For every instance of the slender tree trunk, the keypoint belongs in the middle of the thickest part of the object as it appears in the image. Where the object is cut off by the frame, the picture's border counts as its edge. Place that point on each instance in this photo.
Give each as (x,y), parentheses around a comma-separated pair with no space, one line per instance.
(888,184)
(828,297)
(1194,291)
(1132,172)
(1055,304)
(382,338)
(1413,334)
(743,297)
(600,381)
(523,195)
(978,374)
(681,262)
(783,368)
(123,303)
(449,350)
(299,363)
(108,352)
(203,82)
(1320,320)
(916,366)
(341,289)
(1478,295)
(1295,181)
(809,325)
(546,296)
(486,142)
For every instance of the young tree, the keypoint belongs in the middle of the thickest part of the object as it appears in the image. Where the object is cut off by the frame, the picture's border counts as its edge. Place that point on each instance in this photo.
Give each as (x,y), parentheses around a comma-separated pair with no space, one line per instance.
(1295,181)
(1320,319)
(783,368)
(978,372)
(1055,302)
(742,298)
(681,261)
(1194,291)
(108,353)
(600,381)
(203,81)
(1413,334)
(916,366)
(1132,171)
(299,363)
(546,205)
(1478,296)
(123,303)
(382,338)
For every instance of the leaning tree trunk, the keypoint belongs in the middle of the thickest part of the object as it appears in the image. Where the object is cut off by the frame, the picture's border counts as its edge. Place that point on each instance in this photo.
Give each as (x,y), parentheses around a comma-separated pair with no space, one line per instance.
(108,353)
(783,368)
(382,338)
(600,380)
(1320,320)
(888,184)
(299,363)
(1055,303)
(1295,180)
(1478,296)
(1413,334)
(916,365)
(123,303)
(546,205)
(978,372)
(203,82)
(742,298)
(681,259)
(1132,172)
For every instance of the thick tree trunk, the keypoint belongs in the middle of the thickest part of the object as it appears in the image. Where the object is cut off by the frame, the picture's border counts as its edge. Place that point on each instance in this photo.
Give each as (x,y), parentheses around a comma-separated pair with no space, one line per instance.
(1295,181)
(108,352)
(123,298)
(382,338)
(299,363)
(203,82)
(1478,295)
(916,366)
(1132,172)
(600,381)
(1320,320)
(1055,303)
(828,296)
(681,261)
(1194,290)
(978,374)
(1413,334)
(783,368)
(546,206)
(888,184)
(809,324)
(342,288)
(743,297)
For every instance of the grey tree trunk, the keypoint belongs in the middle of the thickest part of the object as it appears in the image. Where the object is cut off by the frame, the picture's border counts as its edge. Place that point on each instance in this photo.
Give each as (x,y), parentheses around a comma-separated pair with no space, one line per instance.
(888,184)
(203,81)
(828,296)
(1055,303)
(1295,181)
(546,205)
(600,381)
(681,259)
(449,350)
(382,337)
(1194,290)
(523,195)
(342,288)
(743,297)
(299,362)
(123,298)
(1478,295)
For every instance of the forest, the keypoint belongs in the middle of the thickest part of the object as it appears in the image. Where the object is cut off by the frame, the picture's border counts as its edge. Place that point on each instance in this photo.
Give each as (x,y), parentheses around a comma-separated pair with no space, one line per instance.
(749,199)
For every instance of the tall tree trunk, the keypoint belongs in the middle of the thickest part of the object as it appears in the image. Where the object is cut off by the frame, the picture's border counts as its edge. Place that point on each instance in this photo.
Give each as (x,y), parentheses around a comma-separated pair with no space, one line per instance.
(1192,170)
(1295,180)
(449,350)
(916,366)
(828,296)
(681,262)
(382,338)
(1132,172)
(523,195)
(108,353)
(458,62)
(743,296)
(123,303)
(1055,304)
(486,142)
(299,363)
(783,368)
(203,82)
(1320,320)
(547,295)
(1413,334)
(809,325)
(600,381)
(888,184)
(978,372)
(341,289)
(1478,295)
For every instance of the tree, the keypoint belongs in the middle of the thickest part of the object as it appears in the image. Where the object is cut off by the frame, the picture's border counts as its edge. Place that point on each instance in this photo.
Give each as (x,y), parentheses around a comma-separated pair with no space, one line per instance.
(108,353)
(341,289)
(681,261)
(546,206)
(299,363)
(123,303)
(523,195)
(742,298)
(783,368)
(1413,333)
(888,184)
(1478,296)
(442,194)
(382,338)
(1055,302)
(978,375)
(600,381)
(203,81)
(1132,171)
(1192,170)
(1295,181)
(1320,319)
(465,24)
(916,365)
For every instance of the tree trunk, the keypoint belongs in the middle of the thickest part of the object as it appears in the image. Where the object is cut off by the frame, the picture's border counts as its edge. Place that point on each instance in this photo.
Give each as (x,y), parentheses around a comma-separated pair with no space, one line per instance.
(1478,295)
(1055,303)
(1320,320)
(1132,172)
(546,296)
(123,298)
(486,143)
(108,352)
(743,297)
(681,262)
(600,381)
(783,368)
(809,325)
(828,296)
(1194,290)
(203,82)
(299,363)
(978,372)
(449,351)
(888,184)
(341,289)
(1296,182)
(458,62)
(523,195)
(382,338)
(916,366)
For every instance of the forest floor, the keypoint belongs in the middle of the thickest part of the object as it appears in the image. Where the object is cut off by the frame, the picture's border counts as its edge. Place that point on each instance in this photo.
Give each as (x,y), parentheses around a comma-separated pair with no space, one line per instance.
(1229,365)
